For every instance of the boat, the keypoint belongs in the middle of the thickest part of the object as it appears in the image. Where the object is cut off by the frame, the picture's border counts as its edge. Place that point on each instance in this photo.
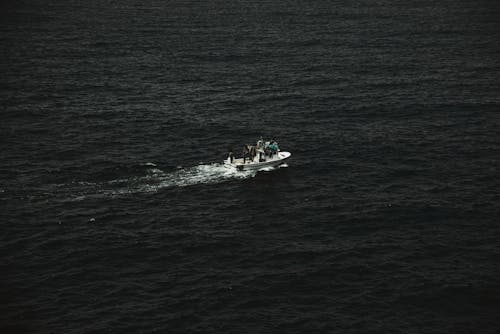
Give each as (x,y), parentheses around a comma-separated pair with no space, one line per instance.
(263,155)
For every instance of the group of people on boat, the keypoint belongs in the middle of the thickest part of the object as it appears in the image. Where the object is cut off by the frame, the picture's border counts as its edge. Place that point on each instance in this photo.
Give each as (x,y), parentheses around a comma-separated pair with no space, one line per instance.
(263,149)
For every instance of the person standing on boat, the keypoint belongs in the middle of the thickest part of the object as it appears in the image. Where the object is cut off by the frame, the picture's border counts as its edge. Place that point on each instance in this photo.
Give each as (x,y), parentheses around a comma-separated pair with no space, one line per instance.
(260,143)
(252,152)
(245,152)
(273,146)
(249,151)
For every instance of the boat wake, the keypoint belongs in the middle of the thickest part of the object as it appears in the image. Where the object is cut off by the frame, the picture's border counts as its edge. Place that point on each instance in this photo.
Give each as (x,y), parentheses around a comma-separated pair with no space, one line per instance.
(153,180)
(202,174)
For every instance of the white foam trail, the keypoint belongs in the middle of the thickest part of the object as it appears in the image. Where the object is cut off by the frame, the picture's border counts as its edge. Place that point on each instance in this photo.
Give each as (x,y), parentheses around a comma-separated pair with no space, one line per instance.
(267,169)
(156,179)
(201,174)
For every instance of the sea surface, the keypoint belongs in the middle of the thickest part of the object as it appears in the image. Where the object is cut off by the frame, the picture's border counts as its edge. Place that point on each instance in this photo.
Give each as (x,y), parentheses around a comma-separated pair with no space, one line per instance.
(118,216)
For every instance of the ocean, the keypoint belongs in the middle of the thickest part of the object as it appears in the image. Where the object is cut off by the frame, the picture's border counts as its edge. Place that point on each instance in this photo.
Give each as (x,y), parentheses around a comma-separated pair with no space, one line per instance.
(118,216)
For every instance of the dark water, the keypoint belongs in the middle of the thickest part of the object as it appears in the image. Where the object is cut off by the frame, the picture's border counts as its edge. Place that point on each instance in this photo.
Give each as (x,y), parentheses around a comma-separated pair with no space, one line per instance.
(117,216)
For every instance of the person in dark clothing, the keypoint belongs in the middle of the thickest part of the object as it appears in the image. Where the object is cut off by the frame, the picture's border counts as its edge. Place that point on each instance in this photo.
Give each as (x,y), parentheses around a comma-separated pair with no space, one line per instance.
(246,151)
(252,152)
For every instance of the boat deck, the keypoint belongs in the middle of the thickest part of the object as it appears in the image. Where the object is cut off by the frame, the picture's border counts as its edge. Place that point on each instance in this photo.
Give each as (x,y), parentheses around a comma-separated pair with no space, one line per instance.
(269,161)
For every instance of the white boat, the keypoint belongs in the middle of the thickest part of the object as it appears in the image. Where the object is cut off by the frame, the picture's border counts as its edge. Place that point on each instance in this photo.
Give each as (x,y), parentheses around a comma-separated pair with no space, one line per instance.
(263,158)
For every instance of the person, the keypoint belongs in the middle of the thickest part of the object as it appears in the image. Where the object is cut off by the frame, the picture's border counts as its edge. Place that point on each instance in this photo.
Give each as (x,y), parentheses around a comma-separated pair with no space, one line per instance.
(273,146)
(245,152)
(276,147)
(231,155)
(267,151)
(252,151)
(260,143)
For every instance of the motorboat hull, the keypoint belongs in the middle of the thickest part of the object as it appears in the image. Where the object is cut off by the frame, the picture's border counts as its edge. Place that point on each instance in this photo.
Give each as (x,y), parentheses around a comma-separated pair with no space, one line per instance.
(277,160)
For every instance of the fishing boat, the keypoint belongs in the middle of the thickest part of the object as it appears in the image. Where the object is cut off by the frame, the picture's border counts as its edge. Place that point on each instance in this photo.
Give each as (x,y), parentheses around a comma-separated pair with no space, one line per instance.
(263,155)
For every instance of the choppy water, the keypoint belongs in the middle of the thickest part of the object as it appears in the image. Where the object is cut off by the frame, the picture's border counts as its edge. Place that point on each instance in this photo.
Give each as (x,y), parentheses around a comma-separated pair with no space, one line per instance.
(117,214)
